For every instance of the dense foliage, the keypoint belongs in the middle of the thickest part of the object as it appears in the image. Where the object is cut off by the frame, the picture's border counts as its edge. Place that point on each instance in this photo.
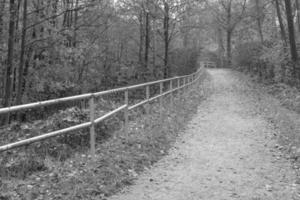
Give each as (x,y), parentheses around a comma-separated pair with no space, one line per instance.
(51,49)
(58,48)
(256,36)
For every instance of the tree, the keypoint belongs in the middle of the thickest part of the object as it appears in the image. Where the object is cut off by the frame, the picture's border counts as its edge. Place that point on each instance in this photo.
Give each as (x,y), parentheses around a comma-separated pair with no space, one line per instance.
(259,19)
(57,48)
(22,56)
(281,24)
(291,31)
(10,55)
(147,33)
(298,13)
(228,14)
(166,26)
(2,6)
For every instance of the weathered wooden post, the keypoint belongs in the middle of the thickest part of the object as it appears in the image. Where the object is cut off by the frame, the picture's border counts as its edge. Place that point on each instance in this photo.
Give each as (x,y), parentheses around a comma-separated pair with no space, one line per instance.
(171,94)
(201,64)
(184,82)
(178,85)
(92,127)
(147,97)
(126,112)
(187,83)
(161,86)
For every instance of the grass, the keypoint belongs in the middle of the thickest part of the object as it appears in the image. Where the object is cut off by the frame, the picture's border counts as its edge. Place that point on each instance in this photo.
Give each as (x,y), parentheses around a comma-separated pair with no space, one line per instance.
(280,105)
(120,158)
(285,116)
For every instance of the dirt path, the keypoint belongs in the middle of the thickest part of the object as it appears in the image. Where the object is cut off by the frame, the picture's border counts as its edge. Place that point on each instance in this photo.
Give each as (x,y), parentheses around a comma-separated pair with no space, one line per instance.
(226,152)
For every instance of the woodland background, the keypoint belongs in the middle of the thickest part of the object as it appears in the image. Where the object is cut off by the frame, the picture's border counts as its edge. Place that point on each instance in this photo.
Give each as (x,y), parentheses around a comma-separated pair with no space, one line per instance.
(58,48)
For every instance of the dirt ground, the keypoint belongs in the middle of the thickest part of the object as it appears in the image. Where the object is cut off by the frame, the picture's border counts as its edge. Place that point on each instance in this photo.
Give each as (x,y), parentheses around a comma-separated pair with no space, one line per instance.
(226,152)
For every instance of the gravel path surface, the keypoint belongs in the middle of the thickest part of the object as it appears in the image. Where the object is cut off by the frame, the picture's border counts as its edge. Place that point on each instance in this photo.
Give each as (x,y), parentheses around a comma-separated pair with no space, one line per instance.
(226,152)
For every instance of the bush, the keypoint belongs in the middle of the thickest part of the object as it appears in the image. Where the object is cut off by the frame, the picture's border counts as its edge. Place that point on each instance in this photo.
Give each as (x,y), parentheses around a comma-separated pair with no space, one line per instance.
(247,56)
(184,61)
(270,61)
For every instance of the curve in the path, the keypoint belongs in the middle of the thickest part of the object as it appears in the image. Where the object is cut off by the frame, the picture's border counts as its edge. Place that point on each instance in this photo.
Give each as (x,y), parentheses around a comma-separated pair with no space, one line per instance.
(227,152)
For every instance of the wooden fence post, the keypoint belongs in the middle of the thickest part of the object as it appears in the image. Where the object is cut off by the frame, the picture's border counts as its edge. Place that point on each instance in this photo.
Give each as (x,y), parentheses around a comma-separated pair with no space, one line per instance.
(183,88)
(126,113)
(178,85)
(171,94)
(92,127)
(147,97)
(161,86)
(186,83)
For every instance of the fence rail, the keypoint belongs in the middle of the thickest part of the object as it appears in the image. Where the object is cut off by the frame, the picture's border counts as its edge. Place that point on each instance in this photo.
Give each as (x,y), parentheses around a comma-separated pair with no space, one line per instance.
(209,64)
(181,82)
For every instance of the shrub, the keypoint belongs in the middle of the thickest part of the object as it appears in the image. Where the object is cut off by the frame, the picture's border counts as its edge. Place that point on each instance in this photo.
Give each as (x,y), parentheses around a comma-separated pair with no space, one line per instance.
(270,61)
(247,56)
(184,61)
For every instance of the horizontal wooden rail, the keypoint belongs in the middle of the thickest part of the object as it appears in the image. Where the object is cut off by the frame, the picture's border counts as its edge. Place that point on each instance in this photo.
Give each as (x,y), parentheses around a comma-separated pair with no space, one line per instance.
(43,103)
(100,119)
(44,136)
(59,132)
(186,79)
(78,97)
(138,104)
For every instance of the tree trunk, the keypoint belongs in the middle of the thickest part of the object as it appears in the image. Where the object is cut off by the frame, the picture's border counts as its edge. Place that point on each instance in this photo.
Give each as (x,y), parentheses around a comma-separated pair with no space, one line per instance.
(2,6)
(16,38)
(75,24)
(141,38)
(229,36)
(147,38)
(68,18)
(54,12)
(298,14)
(259,21)
(10,52)
(106,55)
(291,29)
(22,54)
(221,48)
(2,71)
(283,36)
(281,25)
(166,39)
(154,44)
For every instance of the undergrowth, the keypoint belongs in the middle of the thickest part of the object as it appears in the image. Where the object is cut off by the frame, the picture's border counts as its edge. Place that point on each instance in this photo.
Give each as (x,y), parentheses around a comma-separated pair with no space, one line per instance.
(120,157)
(281,107)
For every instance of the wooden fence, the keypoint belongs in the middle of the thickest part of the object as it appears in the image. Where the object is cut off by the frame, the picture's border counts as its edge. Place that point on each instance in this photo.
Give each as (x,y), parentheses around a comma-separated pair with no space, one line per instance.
(208,64)
(175,84)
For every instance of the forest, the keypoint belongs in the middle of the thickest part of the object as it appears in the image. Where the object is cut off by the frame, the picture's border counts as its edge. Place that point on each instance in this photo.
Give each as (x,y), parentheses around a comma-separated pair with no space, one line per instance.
(51,49)
(58,48)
